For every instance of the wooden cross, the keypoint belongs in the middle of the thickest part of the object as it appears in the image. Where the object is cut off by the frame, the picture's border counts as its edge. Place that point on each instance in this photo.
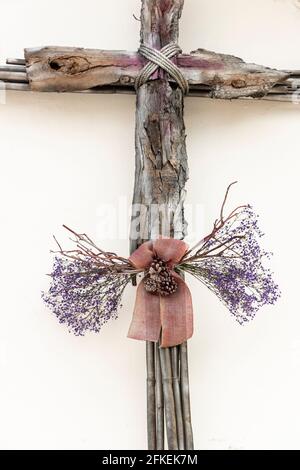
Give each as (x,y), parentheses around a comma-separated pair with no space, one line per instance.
(161,157)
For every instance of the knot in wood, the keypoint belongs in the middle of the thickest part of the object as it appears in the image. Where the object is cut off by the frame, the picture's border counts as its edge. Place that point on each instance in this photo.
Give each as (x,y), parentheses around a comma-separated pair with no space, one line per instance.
(238,83)
(69,65)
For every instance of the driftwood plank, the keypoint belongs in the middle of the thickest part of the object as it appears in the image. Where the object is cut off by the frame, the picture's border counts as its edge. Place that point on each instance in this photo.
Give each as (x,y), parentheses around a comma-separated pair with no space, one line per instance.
(230,77)
(74,69)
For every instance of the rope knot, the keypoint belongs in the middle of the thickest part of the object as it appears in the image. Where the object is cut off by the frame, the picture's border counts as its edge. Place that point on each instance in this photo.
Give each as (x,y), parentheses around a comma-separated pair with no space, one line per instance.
(161,59)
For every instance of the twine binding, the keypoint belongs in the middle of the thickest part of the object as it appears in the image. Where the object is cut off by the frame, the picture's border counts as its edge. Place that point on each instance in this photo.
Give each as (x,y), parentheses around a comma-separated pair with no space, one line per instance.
(161,59)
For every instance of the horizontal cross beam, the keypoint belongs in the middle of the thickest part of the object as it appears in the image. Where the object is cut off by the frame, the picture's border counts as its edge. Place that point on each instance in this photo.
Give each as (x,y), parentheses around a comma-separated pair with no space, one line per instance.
(210,75)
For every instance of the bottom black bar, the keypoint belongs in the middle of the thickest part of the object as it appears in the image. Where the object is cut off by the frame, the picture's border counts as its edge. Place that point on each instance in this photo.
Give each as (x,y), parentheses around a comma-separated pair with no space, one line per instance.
(134,459)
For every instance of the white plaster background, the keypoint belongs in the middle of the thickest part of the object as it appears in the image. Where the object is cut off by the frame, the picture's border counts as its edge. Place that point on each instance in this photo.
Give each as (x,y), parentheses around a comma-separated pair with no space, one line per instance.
(62,156)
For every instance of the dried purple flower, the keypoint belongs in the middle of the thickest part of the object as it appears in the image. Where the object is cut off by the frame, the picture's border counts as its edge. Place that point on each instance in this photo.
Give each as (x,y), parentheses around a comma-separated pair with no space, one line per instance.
(230,262)
(83,297)
(88,283)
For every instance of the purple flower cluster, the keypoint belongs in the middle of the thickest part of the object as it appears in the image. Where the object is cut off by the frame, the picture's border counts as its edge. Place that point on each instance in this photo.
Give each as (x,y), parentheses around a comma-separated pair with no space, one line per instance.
(82,297)
(231,264)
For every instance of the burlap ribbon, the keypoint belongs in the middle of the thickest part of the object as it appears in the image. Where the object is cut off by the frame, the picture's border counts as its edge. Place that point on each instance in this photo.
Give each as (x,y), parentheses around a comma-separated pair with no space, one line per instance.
(168,319)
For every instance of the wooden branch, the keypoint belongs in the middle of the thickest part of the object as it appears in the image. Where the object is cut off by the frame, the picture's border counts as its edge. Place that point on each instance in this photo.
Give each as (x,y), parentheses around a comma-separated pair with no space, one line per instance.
(169,402)
(14,68)
(151,409)
(279,97)
(10,75)
(10,61)
(14,86)
(210,75)
(75,69)
(160,422)
(185,397)
(161,158)
(177,397)
(230,77)
(161,162)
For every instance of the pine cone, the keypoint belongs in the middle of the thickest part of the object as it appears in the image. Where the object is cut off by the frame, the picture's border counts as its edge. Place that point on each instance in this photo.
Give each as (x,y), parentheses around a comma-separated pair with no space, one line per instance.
(151,285)
(159,279)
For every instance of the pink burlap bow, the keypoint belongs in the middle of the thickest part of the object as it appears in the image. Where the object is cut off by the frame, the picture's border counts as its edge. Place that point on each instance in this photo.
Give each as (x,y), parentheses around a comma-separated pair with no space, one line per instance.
(168,319)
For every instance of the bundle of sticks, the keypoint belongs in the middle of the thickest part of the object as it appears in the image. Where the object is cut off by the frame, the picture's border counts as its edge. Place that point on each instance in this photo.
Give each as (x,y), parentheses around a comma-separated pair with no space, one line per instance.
(168,397)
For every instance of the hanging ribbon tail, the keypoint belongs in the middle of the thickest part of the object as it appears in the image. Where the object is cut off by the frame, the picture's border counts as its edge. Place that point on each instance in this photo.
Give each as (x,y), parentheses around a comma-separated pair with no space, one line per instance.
(176,313)
(146,322)
(170,318)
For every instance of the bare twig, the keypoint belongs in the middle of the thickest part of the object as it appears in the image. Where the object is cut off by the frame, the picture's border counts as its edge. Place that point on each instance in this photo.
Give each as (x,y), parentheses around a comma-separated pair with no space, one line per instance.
(225,200)
(170,411)
(15,61)
(151,408)
(185,397)
(13,68)
(218,225)
(13,76)
(177,397)
(160,422)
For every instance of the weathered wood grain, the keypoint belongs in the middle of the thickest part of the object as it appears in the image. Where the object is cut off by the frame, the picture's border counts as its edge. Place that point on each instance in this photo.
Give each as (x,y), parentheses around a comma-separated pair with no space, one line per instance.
(229,77)
(75,69)
(161,158)
(161,166)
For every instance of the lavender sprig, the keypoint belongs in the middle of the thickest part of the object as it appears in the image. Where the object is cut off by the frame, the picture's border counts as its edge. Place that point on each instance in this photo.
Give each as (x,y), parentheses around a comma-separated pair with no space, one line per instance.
(82,297)
(231,263)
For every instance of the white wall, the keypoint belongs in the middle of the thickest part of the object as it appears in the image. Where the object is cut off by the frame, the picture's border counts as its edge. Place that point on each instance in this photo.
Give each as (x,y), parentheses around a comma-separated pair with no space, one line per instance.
(63,156)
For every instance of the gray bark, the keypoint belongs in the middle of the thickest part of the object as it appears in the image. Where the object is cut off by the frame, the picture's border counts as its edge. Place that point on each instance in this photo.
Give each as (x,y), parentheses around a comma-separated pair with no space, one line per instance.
(210,75)
(159,191)
(161,158)
(75,69)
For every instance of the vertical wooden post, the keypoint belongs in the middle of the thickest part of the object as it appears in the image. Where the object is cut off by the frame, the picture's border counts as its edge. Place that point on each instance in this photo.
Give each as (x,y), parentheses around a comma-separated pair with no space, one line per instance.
(160,177)
(161,160)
